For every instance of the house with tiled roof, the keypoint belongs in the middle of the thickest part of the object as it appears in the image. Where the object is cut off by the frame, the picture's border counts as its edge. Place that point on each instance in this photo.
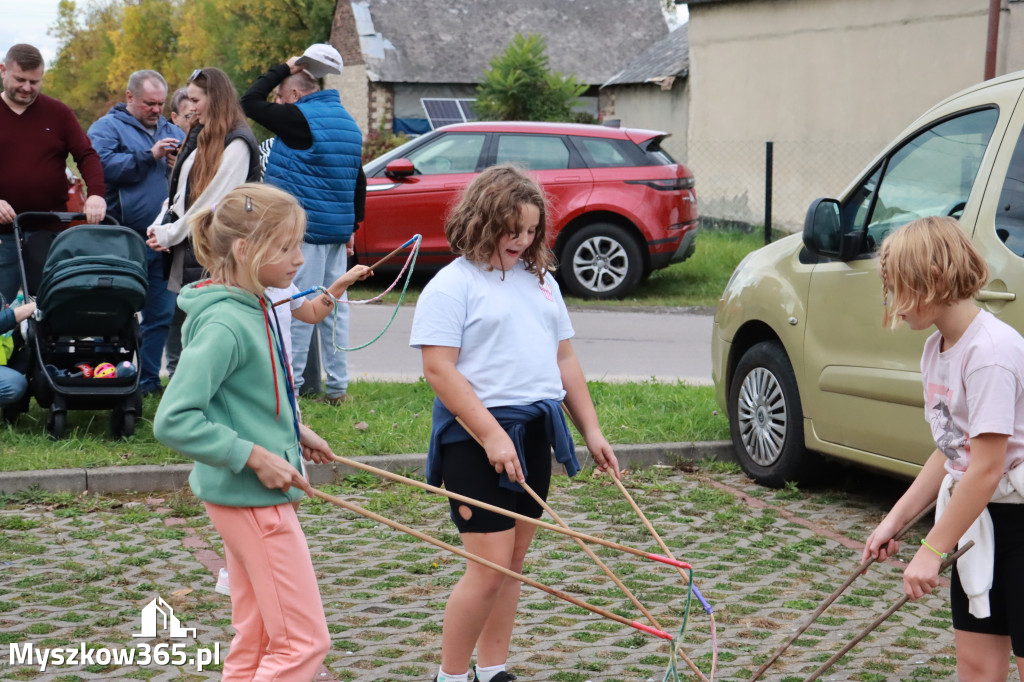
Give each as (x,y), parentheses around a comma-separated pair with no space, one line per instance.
(399,53)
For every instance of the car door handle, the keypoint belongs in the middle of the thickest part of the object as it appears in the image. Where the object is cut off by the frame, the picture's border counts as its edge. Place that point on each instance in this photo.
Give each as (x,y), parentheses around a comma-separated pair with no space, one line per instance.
(986,295)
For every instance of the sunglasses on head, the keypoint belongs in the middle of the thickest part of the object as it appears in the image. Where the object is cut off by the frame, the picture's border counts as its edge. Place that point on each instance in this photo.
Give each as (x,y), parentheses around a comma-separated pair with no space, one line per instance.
(195,74)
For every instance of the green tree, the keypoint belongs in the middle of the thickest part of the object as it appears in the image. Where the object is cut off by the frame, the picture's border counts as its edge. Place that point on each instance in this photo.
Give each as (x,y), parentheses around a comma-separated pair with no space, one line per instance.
(100,45)
(519,86)
(244,37)
(78,76)
(147,38)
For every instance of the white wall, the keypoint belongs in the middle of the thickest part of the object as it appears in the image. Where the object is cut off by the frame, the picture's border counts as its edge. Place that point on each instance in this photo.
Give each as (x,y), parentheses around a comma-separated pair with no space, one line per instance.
(648,106)
(829,81)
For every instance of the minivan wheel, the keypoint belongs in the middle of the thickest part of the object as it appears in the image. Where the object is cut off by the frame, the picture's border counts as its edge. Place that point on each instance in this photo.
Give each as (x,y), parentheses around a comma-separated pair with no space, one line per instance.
(765,417)
(601,261)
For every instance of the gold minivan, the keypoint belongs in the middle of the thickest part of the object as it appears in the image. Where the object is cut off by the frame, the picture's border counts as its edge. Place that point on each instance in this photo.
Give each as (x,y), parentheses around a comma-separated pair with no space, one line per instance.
(800,359)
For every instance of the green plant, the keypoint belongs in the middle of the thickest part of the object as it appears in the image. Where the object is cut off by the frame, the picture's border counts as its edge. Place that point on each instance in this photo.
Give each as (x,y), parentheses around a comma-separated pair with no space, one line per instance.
(520,87)
(381,141)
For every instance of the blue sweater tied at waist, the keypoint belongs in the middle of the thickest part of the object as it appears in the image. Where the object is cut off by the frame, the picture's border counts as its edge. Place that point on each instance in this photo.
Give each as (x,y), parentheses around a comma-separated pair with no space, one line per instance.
(512,418)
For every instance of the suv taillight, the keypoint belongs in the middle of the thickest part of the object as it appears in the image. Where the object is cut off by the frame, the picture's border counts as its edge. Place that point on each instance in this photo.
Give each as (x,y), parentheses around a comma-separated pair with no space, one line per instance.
(666,184)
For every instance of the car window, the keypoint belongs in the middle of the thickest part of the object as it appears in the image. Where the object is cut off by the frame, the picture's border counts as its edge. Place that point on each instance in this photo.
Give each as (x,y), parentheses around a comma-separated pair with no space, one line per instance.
(1009,223)
(455,153)
(604,153)
(536,152)
(931,174)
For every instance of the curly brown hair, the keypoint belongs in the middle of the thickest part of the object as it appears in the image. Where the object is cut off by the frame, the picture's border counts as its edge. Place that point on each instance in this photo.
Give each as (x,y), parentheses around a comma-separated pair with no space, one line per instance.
(490,209)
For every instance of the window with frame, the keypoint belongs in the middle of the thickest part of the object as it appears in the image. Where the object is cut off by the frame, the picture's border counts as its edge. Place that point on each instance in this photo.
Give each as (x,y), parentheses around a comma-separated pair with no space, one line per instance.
(602,152)
(1009,222)
(932,174)
(536,152)
(455,153)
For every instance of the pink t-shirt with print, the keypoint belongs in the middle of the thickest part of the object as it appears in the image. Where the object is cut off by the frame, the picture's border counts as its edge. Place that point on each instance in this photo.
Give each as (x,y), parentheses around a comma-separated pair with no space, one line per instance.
(975,387)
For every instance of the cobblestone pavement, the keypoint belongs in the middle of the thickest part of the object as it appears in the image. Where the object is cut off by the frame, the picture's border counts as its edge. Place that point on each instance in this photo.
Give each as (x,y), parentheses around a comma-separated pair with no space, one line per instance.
(80,569)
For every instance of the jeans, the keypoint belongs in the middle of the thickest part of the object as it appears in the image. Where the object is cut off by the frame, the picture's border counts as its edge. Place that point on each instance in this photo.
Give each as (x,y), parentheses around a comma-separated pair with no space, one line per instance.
(12,385)
(324,263)
(10,273)
(173,345)
(156,320)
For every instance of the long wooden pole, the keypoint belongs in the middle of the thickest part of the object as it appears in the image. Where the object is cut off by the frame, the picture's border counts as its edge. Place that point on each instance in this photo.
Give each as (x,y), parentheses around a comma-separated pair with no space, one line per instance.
(546,507)
(383,473)
(489,564)
(881,619)
(549,510)
(664,548)
(835,595)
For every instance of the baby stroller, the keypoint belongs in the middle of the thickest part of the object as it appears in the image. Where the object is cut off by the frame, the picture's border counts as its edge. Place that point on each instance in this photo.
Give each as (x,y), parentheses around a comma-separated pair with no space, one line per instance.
(89,282)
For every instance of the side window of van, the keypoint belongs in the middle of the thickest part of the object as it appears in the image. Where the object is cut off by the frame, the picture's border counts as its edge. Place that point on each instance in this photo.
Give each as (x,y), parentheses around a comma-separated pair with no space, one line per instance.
(931,174)
(1010,212)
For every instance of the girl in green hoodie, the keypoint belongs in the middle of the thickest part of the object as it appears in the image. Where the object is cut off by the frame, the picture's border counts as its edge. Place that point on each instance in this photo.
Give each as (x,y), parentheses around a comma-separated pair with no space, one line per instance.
(231,408)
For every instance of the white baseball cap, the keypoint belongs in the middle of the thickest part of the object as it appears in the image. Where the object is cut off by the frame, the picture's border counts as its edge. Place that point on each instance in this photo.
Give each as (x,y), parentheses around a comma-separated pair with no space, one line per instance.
(321,59)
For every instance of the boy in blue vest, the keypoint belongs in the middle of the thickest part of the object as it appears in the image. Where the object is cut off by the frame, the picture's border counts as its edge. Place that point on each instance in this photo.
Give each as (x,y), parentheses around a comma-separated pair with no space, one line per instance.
(318,158)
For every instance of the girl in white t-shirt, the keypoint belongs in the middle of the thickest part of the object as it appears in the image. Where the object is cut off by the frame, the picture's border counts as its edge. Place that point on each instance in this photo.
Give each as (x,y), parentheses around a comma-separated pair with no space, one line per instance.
(973,374)
(494,333)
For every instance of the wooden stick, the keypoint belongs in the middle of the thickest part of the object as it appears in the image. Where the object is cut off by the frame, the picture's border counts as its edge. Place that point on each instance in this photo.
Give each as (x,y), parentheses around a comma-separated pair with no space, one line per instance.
(881,619)
(489,564)
(693,666)
(835,595)
(392,254)
(668,553)
(544,505)
(519,517)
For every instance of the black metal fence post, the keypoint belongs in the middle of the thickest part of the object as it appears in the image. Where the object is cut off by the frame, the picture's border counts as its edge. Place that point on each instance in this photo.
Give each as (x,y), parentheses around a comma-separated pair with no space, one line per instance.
(768,192)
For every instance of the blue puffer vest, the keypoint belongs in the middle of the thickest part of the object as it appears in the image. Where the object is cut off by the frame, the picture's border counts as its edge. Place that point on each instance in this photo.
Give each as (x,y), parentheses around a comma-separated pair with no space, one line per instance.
(323,177)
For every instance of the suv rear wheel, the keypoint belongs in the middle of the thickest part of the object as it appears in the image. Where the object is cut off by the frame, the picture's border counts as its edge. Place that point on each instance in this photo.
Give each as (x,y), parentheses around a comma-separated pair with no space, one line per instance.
(766,418)
(601,261)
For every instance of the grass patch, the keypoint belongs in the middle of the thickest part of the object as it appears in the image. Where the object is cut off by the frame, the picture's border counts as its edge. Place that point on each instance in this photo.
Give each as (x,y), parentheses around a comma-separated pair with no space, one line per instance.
(698,281)
(397,416)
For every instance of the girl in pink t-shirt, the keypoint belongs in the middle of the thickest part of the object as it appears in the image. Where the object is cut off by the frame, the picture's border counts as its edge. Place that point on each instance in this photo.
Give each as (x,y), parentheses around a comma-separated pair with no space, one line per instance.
(973,374)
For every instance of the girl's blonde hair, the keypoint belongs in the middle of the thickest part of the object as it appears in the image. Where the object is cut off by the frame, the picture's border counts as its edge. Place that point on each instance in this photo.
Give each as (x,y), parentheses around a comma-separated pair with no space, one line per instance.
(223,114)
(490,209)
(258,214)
(929,261)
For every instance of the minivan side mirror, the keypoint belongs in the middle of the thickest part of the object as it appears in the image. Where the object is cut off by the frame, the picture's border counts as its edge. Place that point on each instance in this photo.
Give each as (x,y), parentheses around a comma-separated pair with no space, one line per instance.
(399,168)
(823,232)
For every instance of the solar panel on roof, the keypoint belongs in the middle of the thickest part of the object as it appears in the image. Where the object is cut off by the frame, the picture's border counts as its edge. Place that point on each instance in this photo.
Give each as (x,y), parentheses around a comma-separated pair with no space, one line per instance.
(442,112)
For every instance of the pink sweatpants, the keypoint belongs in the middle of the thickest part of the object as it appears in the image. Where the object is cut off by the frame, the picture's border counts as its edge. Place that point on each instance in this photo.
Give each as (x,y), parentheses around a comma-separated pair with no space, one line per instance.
(280,627)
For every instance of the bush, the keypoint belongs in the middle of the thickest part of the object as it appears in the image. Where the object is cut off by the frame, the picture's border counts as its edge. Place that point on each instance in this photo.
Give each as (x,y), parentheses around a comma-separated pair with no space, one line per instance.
(379,142)
(519,86)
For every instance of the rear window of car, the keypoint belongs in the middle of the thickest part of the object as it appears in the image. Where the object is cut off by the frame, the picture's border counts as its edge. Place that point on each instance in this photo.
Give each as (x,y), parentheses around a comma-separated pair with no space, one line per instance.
(601,152)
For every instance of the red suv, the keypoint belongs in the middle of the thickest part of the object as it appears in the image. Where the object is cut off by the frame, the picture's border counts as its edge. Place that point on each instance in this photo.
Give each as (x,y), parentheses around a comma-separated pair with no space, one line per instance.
(619,206)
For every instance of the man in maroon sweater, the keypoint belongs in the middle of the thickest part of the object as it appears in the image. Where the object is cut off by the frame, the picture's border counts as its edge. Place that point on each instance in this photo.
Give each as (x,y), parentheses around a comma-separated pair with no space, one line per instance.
(36,135)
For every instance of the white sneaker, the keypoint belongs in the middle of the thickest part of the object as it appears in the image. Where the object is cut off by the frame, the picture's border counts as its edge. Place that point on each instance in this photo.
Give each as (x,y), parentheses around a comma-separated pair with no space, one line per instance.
(223,587)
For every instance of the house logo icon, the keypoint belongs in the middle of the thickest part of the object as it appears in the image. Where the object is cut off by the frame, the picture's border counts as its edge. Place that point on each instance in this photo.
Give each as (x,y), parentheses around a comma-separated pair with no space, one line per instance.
(158,611)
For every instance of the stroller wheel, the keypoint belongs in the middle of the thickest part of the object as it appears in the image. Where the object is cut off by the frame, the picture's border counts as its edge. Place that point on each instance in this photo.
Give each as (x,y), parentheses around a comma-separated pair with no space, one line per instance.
(122,423)
(55,424)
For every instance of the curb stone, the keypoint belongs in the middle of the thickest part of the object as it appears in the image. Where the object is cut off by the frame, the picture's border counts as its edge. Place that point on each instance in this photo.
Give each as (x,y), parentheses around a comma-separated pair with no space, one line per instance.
(158,478)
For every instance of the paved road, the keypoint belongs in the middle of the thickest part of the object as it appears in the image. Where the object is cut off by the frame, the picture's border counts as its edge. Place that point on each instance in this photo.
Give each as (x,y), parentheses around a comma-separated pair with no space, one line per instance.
(612,345)
(78,571)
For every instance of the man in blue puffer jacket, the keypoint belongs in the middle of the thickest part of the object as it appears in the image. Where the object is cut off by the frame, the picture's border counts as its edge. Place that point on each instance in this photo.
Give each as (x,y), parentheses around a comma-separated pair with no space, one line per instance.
(318,158)
(137,147)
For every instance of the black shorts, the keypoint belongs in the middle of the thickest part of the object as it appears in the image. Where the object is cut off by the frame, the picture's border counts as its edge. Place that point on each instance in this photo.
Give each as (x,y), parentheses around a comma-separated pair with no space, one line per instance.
(1006,599)
(466,471)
